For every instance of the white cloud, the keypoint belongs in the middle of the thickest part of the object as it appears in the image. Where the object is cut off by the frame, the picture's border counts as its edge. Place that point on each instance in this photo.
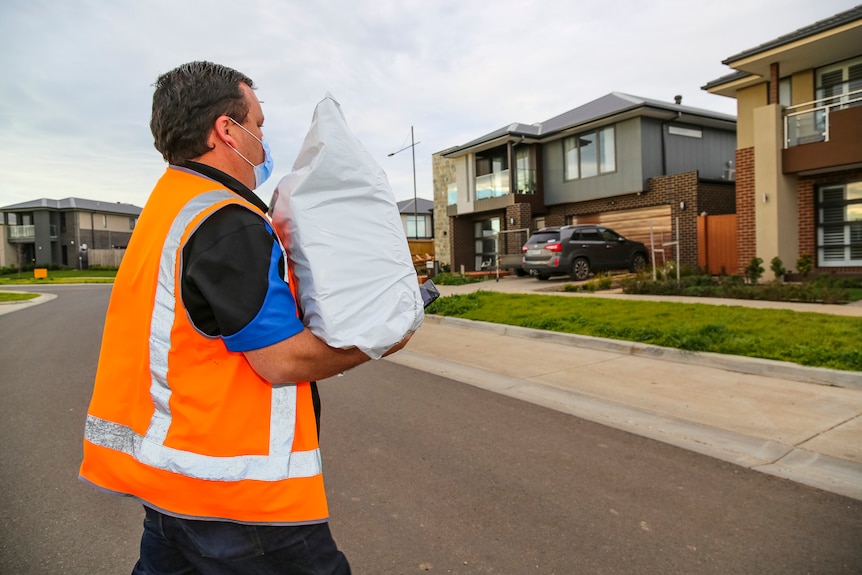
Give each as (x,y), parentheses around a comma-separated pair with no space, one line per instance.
(77,88)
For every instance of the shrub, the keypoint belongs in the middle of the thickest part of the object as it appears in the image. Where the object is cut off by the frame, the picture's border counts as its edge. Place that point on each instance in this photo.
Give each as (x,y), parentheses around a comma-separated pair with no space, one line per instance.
(604,282)
(804,265)
(754,270)
(777,267)
(449,279)
(104,268)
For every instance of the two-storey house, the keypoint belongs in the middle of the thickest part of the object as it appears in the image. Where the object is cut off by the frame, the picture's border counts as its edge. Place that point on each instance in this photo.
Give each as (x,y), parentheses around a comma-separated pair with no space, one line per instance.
(799,145)
(644,167)
(64,232)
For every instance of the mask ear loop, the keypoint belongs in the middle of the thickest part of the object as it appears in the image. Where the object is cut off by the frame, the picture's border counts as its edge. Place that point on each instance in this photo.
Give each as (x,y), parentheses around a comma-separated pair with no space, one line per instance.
(234,147)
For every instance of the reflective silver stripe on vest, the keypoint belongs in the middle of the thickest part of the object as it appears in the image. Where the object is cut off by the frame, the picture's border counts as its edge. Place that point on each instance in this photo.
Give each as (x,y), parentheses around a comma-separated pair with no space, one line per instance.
(149,449)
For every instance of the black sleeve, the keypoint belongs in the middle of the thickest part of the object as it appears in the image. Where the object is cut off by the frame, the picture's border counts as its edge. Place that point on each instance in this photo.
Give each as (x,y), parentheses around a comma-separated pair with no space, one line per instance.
(225,270)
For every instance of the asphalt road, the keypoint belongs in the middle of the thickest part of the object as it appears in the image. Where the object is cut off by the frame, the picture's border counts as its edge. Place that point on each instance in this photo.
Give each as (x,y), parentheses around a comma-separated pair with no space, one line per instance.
(424,474)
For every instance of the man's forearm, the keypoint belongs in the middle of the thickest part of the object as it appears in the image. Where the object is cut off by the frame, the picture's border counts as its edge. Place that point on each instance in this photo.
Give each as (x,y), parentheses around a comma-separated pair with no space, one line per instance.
(303,357)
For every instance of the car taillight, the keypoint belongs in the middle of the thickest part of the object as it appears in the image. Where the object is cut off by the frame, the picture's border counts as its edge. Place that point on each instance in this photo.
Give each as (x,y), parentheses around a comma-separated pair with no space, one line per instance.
(555,247)
(524,248)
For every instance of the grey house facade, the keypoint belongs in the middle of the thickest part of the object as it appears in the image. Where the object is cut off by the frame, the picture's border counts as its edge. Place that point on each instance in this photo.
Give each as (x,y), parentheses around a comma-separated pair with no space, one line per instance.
(47,232)
(643,167)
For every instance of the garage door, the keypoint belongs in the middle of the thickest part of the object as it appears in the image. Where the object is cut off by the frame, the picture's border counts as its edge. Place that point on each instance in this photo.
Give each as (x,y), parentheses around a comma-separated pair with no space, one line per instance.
(635,224)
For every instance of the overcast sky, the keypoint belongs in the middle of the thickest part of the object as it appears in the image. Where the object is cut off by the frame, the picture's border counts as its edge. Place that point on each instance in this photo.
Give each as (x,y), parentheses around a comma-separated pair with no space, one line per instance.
(77,75)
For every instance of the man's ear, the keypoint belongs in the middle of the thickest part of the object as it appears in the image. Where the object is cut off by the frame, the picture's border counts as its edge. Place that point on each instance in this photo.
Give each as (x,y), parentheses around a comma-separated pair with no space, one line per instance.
(222,131)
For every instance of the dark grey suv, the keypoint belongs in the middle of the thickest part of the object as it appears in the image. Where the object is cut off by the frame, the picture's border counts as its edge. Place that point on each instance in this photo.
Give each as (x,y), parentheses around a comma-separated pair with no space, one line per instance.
(579,250)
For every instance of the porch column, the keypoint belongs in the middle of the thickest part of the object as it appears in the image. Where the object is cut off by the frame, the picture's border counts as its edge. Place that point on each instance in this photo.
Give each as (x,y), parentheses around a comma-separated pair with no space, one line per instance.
(775,199)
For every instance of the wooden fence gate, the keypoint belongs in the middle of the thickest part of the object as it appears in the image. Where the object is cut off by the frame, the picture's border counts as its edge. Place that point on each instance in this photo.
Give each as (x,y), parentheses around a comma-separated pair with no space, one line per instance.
(716,244)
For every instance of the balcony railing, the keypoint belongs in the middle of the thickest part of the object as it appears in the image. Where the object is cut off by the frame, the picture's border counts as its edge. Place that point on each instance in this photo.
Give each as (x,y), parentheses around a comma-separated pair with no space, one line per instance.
(22,232)
(28,232)
(492,185)
(809,122)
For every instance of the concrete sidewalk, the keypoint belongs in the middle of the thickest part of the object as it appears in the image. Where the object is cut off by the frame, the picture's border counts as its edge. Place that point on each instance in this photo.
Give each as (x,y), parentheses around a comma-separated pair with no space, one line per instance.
(761,414)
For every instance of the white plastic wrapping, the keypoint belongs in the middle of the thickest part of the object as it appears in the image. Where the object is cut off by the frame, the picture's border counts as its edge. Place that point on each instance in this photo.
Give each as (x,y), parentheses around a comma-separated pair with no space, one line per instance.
(337,217)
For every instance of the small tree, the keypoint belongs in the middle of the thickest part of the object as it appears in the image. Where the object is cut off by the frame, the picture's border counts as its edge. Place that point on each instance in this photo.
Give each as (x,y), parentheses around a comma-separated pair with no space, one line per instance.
(754,270)
(804,265)
(777,267)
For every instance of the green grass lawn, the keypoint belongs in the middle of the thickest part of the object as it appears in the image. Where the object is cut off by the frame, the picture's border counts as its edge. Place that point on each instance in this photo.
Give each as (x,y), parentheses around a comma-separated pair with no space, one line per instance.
(59,276)
(8,296)
(811,339)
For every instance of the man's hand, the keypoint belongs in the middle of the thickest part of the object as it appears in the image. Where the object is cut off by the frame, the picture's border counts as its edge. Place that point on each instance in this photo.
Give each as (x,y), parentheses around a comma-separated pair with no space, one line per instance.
(399,345)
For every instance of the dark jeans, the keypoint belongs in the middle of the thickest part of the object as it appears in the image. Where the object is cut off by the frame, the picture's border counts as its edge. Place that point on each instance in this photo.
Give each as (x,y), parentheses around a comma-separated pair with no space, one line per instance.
(172,546)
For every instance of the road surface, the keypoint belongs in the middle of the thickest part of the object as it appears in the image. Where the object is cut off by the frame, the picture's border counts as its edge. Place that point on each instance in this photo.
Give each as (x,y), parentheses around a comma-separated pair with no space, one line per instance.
(424,474)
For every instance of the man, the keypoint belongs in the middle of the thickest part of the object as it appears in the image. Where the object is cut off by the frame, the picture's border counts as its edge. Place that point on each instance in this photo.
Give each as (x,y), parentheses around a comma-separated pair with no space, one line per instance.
(202,407)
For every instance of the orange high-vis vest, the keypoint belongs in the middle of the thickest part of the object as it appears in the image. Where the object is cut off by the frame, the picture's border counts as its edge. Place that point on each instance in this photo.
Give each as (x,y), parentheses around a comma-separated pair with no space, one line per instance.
(177,420)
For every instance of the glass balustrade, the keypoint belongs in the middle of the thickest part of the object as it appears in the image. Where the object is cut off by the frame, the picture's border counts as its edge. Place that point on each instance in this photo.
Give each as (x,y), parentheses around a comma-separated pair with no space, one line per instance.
(809,122)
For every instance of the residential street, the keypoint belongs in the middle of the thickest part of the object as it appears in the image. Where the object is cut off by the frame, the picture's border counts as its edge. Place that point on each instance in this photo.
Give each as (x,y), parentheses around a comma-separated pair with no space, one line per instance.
(424,474)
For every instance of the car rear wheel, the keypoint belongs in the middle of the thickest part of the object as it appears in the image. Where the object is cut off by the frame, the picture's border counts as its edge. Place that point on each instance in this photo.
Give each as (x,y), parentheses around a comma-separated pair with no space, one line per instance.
(580,269)
(638,263)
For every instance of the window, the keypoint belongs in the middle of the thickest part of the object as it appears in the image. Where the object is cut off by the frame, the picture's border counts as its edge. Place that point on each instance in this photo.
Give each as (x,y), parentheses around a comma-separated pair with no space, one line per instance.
(132,223)
(687,132)
(587,155)
(785,92)
(607,151)
(416,226)
(839,225)
(492,173)
(590,235)
(485,242)
(525,177)
(609,236)
(570,147)
(104,220)
(452,194)
(839,79)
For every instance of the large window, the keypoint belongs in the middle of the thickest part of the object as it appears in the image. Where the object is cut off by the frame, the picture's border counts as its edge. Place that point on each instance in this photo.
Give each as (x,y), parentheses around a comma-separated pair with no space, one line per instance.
(485,234)
(492,173)
(839,225)
(840,80)
(417,226)
(590,154)
(525,176)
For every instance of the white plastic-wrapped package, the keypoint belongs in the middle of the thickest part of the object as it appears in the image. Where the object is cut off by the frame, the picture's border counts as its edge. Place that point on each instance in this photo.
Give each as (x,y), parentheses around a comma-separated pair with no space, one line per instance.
(337,217)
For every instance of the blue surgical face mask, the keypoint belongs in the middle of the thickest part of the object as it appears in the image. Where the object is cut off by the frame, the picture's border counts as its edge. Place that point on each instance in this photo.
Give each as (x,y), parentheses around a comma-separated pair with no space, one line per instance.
(263,170)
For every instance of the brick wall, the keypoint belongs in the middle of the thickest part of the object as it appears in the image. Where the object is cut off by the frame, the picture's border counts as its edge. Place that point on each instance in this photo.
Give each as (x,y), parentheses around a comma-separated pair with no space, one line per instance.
(672,190)
(746,241)
(716,199)
(517,216)
(807,220)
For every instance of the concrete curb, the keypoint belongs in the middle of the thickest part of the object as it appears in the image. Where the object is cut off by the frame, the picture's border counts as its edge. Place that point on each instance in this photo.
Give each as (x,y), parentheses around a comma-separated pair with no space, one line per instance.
(10,306)
(739,364)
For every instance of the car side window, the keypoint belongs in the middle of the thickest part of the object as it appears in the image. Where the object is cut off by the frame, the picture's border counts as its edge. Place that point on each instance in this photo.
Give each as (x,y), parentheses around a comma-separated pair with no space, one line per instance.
(610,236)
(590,236)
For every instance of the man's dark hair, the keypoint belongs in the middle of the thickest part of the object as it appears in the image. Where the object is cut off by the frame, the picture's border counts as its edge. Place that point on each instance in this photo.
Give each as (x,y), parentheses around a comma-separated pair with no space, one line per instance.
(187,102)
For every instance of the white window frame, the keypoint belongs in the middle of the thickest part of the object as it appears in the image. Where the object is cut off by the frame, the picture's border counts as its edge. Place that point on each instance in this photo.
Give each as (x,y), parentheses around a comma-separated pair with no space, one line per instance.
(839,225)
(605,154)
